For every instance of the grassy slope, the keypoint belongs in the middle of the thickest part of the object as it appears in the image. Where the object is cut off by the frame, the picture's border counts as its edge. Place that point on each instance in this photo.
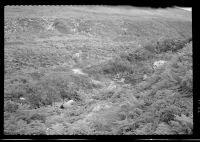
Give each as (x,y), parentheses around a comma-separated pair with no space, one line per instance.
(37,55)
(99,28)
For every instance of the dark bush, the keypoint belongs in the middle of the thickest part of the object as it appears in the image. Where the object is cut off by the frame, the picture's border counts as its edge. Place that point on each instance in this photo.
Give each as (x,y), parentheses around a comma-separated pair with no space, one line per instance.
(167,116)
(70,92)
(35,100)
(37,116)
(166,45)
(116,66)
(10,106)
(138,54)
(150,47)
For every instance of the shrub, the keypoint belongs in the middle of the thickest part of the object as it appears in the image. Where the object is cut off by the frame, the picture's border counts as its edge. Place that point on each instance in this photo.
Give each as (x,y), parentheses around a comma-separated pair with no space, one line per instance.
(15,88)
(167,116)
(182,125)
(34,128)
(34,96)
(166,45)
(150,47)
(24,123)
(81,82)
(37,116)
(70,92)
(137,54)
(116,66)
(163,129)
(10,106)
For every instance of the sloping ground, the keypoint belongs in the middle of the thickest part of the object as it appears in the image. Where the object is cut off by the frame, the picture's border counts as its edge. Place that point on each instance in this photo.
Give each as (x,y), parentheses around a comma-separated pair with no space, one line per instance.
(106,80)
(92,39)
(154,106)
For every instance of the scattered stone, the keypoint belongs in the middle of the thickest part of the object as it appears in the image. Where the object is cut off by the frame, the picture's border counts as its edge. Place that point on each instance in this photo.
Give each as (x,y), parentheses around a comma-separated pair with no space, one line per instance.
(96,82)
(159,63)
(22,98)
(101,107)
(78,71)
(145,77)
(77,56)
(121,80)
(112,86)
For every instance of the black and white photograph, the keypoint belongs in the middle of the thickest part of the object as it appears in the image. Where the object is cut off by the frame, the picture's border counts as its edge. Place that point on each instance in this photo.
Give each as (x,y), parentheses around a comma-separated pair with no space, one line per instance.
(97,70)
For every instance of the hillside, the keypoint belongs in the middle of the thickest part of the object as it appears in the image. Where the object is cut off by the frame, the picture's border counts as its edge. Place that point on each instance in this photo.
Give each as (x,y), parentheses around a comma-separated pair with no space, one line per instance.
(101,58)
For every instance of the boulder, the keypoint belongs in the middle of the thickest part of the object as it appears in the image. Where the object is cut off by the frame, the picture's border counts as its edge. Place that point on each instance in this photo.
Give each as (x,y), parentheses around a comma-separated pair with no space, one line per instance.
(67,104)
